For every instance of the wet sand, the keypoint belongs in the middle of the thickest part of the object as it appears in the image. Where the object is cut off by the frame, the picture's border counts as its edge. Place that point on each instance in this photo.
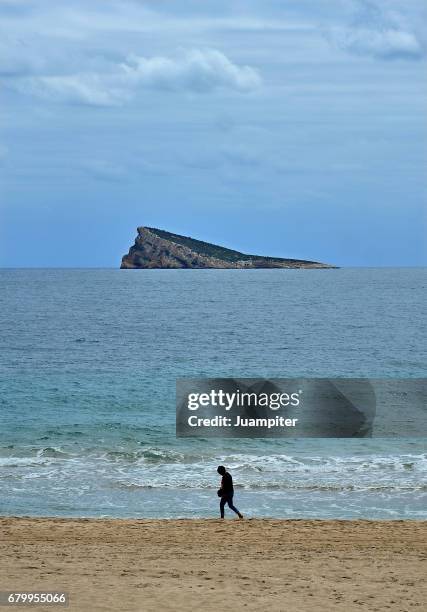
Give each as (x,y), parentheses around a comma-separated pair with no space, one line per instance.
(253,565)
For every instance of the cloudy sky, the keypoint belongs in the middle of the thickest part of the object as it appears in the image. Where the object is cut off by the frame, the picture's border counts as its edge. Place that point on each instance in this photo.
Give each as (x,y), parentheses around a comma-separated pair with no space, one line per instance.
(281,127)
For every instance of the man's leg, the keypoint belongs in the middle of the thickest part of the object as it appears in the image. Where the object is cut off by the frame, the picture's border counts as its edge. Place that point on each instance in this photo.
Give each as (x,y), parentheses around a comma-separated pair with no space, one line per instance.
(230,505)
(221,506)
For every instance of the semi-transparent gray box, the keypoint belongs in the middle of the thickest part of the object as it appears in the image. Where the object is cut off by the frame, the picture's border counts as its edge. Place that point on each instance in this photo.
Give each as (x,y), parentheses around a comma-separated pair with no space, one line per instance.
(301,407)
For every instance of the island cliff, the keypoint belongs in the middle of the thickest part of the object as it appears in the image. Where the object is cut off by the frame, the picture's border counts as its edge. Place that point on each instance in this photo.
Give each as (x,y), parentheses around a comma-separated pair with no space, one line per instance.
(155,248)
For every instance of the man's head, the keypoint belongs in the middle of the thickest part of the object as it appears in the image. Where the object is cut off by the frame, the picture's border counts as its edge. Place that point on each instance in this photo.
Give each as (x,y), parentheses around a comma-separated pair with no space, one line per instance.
(221,470)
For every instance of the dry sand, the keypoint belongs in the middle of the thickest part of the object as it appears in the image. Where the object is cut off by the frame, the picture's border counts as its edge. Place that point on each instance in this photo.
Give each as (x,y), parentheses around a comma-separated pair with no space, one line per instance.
(203,565)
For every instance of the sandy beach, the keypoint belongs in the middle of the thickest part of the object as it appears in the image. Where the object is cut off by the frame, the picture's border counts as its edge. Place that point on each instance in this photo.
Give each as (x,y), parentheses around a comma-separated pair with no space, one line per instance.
(152,565)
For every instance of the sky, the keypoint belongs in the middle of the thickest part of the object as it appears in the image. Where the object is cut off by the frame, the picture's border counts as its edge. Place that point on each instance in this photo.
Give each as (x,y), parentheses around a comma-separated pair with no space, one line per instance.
(285,128)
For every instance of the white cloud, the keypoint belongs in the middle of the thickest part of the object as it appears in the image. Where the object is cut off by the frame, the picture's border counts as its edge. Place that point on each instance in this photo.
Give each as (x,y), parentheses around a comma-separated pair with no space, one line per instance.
(200,71)
(194,71)
(90,89)
(378,32)
(384,44)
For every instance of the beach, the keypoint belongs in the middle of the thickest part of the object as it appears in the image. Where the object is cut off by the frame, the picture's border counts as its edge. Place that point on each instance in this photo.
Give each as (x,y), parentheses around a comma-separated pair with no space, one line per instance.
(208,564)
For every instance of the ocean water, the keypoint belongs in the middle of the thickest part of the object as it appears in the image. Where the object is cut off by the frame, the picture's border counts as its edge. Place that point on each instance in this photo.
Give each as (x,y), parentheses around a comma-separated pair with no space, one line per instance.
(88,362)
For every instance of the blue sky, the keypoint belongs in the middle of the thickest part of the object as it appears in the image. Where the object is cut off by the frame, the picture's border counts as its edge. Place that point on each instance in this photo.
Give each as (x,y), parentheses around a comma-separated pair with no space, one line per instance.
(291,128)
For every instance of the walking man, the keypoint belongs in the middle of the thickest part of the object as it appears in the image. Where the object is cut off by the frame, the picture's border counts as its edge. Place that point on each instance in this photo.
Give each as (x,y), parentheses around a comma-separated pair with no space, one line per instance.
(226,492)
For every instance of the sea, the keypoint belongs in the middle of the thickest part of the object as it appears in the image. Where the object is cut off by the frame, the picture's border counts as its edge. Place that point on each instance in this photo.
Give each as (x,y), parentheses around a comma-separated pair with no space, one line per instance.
(88,364)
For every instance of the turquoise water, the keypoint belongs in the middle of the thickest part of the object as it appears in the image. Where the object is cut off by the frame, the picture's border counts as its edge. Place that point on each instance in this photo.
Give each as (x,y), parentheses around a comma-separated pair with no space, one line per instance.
(88,362)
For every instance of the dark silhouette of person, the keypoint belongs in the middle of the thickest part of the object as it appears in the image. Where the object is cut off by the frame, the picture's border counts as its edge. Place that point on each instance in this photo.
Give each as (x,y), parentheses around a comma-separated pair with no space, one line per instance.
(226,492)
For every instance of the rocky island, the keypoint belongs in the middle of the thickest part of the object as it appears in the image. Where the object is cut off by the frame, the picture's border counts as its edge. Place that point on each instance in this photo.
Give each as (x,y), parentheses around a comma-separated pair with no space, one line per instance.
(156,248)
